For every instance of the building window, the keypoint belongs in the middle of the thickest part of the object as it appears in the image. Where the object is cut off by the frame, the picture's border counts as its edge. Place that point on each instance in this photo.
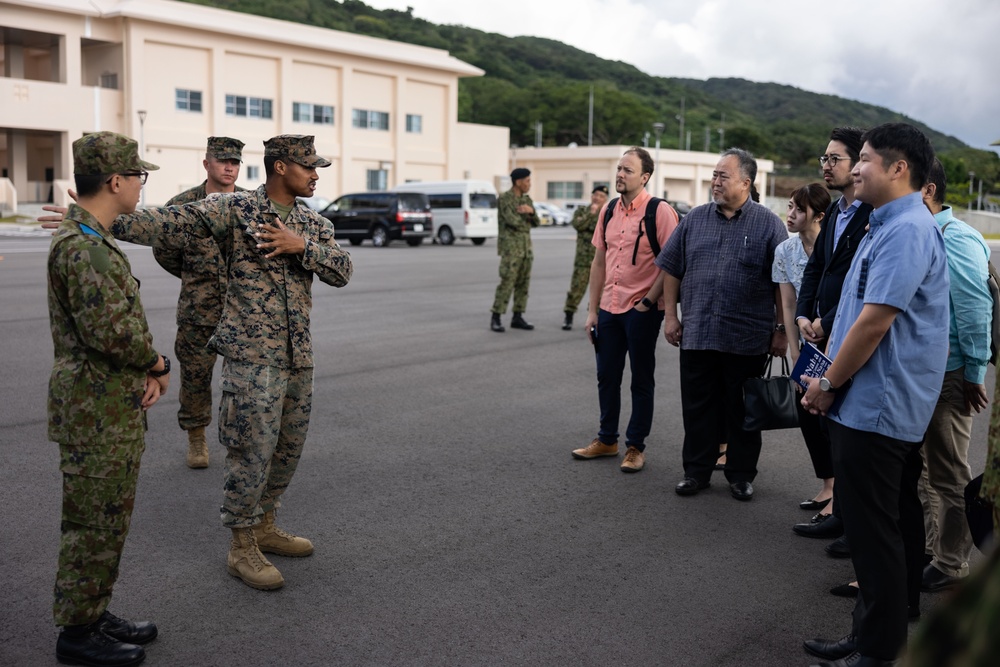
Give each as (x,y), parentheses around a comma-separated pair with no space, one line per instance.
(414,123)
(252,172)
(377,180)
(320,114)
(370,120)
(188,100)
(251,107)
(565,190)
(109,80)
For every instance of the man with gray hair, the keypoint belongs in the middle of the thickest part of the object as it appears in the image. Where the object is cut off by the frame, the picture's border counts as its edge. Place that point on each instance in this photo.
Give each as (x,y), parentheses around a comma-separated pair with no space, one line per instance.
(717,265)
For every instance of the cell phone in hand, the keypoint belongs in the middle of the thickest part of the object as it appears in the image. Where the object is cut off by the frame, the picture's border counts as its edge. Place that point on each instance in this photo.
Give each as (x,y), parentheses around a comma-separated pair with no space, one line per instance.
(593,335)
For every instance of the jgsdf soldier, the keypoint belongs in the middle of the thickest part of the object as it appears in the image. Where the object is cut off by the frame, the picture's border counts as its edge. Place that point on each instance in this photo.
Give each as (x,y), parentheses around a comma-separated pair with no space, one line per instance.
(106,374)
(203,285)
(516,214)
(584,222)
(274,245)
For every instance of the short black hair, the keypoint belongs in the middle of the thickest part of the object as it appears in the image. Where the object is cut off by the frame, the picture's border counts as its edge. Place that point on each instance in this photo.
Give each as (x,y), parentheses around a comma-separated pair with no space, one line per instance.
(269,161)
(851,138)
(936,176)
(88,185)
(902,141)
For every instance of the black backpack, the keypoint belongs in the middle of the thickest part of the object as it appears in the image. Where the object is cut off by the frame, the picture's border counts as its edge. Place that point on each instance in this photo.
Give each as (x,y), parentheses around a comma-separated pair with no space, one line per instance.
(649,223)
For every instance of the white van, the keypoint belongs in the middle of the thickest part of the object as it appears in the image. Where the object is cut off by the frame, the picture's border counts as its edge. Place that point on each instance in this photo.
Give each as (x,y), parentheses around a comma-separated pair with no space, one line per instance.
(461,209)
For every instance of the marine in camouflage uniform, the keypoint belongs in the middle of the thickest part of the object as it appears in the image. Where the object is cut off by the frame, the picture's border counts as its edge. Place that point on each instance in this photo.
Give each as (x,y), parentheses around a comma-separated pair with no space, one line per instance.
(514,248)
(103,354)
(263,336)
(584,222)
(203,284)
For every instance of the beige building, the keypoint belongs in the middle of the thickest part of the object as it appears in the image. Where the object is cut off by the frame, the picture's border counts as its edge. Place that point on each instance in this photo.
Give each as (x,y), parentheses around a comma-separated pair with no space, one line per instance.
(172,74)
(568,174)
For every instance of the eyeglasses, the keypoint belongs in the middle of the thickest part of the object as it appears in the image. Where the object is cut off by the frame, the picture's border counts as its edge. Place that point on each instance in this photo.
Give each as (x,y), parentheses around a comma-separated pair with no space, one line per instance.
(831,159)
(143,175)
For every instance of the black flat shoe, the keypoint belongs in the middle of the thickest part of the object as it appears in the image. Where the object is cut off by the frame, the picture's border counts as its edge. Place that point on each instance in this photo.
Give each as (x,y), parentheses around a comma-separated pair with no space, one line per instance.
(831,650)
(839,548)
(741,490)
(935,580)
(690,486)
(814,505)
(845,591)
(821,525)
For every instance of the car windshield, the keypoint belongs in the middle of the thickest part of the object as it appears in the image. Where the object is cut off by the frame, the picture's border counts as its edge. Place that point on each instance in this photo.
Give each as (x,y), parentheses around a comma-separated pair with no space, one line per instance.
(482,200)
(413,202)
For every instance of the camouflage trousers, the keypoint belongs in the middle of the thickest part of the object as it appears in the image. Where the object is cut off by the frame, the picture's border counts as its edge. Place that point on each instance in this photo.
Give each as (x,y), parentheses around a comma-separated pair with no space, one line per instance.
(99,485)
(581,275)
(197,365)
(515,276)
(263,420)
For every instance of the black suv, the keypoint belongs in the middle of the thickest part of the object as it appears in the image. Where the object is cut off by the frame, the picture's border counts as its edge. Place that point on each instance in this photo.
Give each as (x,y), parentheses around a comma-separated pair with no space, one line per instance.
(381,217)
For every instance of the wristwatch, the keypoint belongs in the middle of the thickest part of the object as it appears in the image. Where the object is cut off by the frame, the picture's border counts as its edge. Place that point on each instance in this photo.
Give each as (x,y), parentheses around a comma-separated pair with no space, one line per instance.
(166,368)
(825,385)
(780,328)
(646,302)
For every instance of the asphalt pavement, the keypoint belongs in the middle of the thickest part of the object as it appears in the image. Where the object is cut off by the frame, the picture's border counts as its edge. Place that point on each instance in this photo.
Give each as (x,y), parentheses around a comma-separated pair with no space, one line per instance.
(451,525)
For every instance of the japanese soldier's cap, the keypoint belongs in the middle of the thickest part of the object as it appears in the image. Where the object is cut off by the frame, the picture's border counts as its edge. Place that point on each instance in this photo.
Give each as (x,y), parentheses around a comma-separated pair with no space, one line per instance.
(518,174)
(296,148)
(100,153)
(225,148)
(600,188)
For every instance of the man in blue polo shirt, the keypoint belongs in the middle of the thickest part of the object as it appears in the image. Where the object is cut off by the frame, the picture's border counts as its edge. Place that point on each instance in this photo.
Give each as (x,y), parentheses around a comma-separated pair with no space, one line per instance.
(889,347)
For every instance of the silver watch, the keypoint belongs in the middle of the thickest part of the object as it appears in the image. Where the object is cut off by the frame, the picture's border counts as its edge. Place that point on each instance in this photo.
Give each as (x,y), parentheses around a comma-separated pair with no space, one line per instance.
(825,385)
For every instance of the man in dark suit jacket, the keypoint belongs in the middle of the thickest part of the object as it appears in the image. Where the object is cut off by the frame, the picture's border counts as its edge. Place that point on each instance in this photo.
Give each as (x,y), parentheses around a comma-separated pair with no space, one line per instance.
(845,224)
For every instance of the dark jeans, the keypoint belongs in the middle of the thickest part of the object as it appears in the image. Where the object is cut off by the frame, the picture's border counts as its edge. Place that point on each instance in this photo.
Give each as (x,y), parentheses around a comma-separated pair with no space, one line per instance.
(883,520)
(635,334)
(712,403)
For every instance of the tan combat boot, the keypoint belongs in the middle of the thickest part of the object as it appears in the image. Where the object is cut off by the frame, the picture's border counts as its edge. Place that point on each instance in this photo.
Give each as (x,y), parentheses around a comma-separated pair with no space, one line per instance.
(274,540)
(247,562)
(197,448)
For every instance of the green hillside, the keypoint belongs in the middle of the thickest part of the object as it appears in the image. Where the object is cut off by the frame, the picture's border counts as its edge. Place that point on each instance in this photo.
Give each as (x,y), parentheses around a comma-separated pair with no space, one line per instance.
(531,79)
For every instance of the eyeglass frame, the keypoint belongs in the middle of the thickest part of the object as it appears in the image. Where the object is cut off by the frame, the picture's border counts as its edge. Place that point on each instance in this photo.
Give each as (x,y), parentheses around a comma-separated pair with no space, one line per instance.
(143,176)
(832,159)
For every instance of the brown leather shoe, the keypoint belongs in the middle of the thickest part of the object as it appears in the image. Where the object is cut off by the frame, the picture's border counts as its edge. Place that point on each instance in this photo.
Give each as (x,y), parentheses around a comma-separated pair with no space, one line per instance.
(596,449)
(633,461)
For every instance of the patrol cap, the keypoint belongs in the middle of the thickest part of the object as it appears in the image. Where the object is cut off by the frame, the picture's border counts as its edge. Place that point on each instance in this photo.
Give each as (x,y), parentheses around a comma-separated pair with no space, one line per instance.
(519,173)
(298,148)
(100,153)
(600,188)
(225,148)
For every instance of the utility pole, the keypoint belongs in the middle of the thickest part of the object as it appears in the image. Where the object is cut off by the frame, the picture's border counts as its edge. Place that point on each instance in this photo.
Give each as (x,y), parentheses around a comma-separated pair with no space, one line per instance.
(538,134)
(590,120)
(680,136)
(658,129)
(722,133)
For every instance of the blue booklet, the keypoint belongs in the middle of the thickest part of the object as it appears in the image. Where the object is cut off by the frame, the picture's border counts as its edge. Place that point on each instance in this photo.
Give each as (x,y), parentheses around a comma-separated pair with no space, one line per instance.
(814,364)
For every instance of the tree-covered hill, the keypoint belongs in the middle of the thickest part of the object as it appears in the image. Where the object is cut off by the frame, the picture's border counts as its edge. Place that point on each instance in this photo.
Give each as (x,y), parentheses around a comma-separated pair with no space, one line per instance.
(531,79)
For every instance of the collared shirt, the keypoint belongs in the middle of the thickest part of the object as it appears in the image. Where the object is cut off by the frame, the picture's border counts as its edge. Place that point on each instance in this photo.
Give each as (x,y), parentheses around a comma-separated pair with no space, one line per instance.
(901,263)
(626,283)
(844,215)
(727,295)
(790,261)
(971,303)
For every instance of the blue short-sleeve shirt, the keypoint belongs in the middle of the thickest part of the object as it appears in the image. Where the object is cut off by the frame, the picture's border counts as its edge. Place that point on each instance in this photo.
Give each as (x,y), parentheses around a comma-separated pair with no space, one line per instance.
(900,263)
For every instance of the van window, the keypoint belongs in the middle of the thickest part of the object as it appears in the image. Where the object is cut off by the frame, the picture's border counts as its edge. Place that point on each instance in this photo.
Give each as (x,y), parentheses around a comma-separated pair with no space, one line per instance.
(482,200)
(412,201)
(445,201)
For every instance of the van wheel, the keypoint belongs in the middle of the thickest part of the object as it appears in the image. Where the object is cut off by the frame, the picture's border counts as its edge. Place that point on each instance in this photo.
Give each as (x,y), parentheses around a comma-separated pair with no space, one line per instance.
(478,241)
(445,236)
(380,236)
(354,241)
(414,242)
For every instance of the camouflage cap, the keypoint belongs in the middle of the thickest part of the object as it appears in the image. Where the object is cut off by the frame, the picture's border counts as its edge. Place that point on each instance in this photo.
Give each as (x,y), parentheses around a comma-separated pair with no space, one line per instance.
(100,153)
(298,148)
(225,148)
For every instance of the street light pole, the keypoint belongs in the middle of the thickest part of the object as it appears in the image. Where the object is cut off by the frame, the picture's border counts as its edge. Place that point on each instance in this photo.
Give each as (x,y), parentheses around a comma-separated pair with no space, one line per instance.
(972,177)
(680,135)
(658,129)
(142,151)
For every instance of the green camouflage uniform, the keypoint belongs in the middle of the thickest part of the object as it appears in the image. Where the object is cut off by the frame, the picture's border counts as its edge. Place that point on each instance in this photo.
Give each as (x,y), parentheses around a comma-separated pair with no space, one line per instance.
(514,248)
(203,285)
(263,333)
(102,349)
(584,222)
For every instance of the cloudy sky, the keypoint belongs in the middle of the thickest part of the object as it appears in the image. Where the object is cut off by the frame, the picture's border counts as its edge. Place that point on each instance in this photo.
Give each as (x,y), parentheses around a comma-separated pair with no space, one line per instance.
(934,60)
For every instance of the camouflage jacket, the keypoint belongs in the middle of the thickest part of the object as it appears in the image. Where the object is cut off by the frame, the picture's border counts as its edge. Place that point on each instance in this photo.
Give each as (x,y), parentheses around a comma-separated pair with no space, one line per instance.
(514,236)
(265,316)
(200,268)
(584,222)
(101,341)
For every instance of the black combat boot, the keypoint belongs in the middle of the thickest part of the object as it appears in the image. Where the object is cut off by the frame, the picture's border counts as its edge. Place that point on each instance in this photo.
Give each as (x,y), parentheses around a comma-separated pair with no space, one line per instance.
(568,322)
(518,322)
(87,645)
(495,323)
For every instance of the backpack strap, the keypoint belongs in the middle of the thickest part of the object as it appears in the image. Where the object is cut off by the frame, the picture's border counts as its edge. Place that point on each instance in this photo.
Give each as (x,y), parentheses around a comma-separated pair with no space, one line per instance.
(650,220)
(608,212)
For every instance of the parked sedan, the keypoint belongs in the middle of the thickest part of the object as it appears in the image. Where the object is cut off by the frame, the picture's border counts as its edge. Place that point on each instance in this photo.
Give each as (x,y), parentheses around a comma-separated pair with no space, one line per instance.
(558,215)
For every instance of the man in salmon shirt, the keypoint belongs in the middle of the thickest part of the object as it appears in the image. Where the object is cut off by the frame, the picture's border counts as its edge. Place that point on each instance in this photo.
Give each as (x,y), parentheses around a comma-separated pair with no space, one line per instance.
(626,308)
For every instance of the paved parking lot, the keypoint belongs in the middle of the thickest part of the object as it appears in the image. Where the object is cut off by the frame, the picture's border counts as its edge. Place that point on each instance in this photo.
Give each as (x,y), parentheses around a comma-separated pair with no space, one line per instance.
(451,525)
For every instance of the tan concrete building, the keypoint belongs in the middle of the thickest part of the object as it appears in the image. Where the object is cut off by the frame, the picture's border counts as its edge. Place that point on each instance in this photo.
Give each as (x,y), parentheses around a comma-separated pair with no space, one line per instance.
(568,174)
(172,74)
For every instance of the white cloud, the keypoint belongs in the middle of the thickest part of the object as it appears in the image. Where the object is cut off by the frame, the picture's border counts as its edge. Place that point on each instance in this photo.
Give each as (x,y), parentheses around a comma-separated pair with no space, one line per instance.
(933,61)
